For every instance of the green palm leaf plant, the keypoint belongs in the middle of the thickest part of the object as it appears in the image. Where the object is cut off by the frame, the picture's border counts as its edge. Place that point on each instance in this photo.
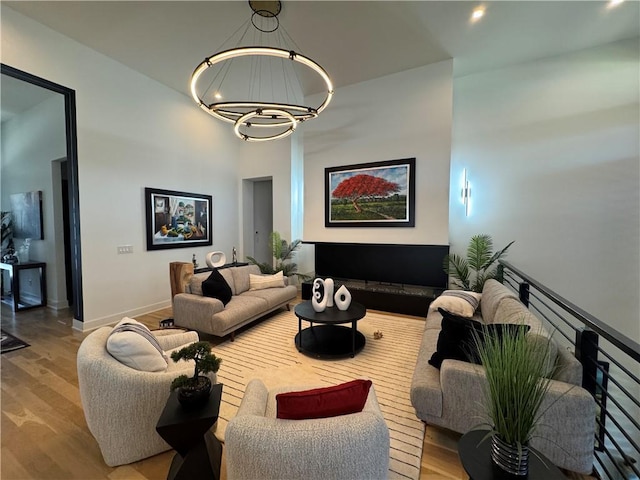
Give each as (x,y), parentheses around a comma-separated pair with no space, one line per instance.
(282,252)
(472,272)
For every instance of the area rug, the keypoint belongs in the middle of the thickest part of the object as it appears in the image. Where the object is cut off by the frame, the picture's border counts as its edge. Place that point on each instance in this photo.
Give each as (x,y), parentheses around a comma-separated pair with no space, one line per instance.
(267,351)
(11,343)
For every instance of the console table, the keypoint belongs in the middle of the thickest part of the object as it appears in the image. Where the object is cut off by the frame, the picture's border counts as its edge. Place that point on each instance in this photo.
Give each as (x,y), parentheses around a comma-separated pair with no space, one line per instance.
(18,298)
(199,452)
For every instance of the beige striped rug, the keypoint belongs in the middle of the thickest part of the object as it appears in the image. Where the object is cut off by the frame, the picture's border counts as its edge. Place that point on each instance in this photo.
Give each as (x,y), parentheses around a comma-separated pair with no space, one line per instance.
(267,351)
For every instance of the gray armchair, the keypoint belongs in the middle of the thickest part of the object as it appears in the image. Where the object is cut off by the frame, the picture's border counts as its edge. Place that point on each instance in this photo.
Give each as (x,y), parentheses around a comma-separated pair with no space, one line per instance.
(259,445)
(122,405)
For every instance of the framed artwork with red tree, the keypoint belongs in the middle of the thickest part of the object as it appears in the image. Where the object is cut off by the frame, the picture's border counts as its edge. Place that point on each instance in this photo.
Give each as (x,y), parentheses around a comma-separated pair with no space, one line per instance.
(376,194)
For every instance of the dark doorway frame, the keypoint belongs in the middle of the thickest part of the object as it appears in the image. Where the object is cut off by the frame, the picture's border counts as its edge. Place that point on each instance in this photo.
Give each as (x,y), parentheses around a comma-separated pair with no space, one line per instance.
(72,172)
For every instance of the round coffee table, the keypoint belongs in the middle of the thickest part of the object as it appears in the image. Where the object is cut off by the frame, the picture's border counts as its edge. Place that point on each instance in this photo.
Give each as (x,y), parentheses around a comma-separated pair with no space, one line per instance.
(329,339)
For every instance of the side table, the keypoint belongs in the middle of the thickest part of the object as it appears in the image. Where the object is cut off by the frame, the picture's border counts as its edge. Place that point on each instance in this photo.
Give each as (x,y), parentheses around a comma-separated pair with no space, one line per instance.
(19,300)
(475,455)
(199,452)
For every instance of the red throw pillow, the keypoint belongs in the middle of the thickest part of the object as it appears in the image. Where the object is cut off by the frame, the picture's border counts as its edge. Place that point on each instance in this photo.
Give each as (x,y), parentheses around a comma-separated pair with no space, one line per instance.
(325,402)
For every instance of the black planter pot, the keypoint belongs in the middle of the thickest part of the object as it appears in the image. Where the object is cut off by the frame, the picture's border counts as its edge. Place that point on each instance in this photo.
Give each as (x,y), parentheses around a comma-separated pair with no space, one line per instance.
(195,396)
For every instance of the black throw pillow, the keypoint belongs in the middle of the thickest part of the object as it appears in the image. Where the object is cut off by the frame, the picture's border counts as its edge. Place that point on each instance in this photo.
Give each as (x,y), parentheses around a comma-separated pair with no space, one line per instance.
(457,338)
(217,287)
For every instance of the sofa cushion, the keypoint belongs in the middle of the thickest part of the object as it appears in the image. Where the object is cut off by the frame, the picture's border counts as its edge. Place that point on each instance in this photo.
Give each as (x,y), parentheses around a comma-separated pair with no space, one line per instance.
(260,282)
(274,296)
(342,399)
(458,337)
(512,310)
(241,277)
(195,283)
(227,274)
(493,293)
(132,344)
(459,302)
(217,287)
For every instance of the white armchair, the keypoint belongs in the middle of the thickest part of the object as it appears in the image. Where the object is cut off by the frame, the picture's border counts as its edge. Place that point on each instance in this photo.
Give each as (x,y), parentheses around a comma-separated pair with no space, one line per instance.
(259,445)
(122,405)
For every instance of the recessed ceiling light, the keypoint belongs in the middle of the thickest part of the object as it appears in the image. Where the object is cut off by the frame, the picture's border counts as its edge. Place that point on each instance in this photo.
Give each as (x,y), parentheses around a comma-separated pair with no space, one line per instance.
(477,14)
(218,96)
(614,3)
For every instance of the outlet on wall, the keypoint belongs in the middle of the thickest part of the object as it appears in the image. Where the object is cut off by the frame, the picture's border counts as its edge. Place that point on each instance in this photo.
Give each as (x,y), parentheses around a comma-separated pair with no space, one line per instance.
(125,249)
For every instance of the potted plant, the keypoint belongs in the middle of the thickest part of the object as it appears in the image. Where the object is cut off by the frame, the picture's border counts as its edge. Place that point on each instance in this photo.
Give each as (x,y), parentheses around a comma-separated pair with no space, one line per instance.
(194,391)
(515,388)
(470,273)
(282,251)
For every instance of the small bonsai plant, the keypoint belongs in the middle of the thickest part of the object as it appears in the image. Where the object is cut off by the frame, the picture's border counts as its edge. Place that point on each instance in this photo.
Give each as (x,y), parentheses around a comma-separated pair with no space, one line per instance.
(470,273)
(195,389)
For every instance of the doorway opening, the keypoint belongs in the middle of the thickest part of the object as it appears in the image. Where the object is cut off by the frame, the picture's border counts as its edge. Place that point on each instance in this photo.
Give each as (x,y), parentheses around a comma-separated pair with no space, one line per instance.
(258,218)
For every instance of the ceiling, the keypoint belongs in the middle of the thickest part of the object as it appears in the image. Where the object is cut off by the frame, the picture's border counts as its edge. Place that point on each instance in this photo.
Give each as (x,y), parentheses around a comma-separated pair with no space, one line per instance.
(353,40)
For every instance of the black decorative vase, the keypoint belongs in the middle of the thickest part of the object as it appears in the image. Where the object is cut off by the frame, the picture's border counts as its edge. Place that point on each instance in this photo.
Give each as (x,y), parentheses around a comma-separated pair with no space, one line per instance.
(195,396)
(509,458)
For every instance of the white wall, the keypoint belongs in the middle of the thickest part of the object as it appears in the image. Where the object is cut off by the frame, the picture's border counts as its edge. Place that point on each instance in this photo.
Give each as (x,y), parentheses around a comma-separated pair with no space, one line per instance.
(404,115)
(31,141)
(552,152)
(132,133)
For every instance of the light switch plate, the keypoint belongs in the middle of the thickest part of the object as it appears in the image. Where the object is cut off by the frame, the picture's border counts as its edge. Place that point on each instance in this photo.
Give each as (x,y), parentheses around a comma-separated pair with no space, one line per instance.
(125,249)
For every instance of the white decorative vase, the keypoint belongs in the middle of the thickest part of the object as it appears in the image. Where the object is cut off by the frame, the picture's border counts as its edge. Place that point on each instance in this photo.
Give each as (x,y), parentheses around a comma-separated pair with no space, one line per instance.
(342,298)
(328,291)
(319,301)
(215,259)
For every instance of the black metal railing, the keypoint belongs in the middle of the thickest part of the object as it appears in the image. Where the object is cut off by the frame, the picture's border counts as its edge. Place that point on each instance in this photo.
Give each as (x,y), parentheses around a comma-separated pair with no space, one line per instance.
(611,371)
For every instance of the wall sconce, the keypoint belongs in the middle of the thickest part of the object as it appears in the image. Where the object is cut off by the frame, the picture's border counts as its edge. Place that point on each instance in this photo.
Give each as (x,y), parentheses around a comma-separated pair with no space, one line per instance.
(466,192)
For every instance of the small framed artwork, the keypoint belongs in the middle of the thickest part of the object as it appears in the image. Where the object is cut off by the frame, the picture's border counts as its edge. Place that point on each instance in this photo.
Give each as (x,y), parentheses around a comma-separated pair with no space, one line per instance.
(26,212)
(377,194)
(178,219)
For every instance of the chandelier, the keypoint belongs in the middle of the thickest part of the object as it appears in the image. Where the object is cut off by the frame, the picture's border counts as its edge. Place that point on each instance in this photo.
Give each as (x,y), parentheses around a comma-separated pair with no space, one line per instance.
(256,83)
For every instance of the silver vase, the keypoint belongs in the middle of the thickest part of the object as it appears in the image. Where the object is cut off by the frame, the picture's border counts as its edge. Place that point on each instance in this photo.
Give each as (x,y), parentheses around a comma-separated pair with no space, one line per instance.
(508,458)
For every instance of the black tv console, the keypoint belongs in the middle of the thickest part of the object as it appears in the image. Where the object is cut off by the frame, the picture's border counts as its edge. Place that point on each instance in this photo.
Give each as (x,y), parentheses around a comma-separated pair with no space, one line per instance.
(389,277)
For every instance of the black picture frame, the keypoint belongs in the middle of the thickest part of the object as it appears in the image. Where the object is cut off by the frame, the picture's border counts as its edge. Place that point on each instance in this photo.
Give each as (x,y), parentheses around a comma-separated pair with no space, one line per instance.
(178,219)
(389,197)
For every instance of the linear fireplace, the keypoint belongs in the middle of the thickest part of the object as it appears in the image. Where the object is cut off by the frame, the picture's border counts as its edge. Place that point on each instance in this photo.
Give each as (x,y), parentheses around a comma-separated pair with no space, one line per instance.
(390,277)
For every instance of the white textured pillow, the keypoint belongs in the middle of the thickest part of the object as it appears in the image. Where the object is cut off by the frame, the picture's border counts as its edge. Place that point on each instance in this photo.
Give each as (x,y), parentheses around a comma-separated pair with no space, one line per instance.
(458,302)
(260,282)
(137,349)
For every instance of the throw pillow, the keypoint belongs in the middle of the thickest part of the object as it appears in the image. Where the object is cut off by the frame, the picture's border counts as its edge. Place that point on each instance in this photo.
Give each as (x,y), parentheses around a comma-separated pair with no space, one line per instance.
(132,344)
(457,337)
(459,302)
(325,402)
(217,287)
(260,282)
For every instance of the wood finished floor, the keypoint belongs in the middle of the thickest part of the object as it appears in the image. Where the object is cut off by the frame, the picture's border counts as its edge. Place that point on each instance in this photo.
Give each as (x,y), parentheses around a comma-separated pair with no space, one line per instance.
(43,431)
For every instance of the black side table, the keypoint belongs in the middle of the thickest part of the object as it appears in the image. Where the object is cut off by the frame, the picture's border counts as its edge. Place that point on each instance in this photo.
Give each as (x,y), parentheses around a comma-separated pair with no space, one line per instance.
(199,452)
(475,455)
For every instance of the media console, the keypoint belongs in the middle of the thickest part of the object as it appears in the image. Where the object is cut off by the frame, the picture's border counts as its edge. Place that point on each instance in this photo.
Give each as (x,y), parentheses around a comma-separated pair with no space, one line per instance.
(389,277)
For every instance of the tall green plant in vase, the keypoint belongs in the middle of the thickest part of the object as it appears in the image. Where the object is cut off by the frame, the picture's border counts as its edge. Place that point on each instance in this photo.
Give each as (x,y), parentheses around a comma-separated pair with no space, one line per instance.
(515,388)
(470,273)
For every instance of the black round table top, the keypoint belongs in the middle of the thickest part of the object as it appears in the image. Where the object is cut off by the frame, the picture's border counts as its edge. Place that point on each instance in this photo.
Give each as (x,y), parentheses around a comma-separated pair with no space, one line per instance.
(331,315)
(475,455)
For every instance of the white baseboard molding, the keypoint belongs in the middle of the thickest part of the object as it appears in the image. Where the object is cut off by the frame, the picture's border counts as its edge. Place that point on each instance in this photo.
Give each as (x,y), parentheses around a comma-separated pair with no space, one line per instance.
(89,325)
(57,304)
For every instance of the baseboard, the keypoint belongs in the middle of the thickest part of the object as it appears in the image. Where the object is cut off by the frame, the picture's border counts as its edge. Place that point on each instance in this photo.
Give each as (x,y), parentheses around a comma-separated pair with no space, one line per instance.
(57,304)
(89,325)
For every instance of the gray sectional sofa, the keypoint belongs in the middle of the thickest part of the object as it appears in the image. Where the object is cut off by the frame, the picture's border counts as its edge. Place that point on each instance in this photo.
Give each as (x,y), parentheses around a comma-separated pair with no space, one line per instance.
(194,311)
(452,396)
